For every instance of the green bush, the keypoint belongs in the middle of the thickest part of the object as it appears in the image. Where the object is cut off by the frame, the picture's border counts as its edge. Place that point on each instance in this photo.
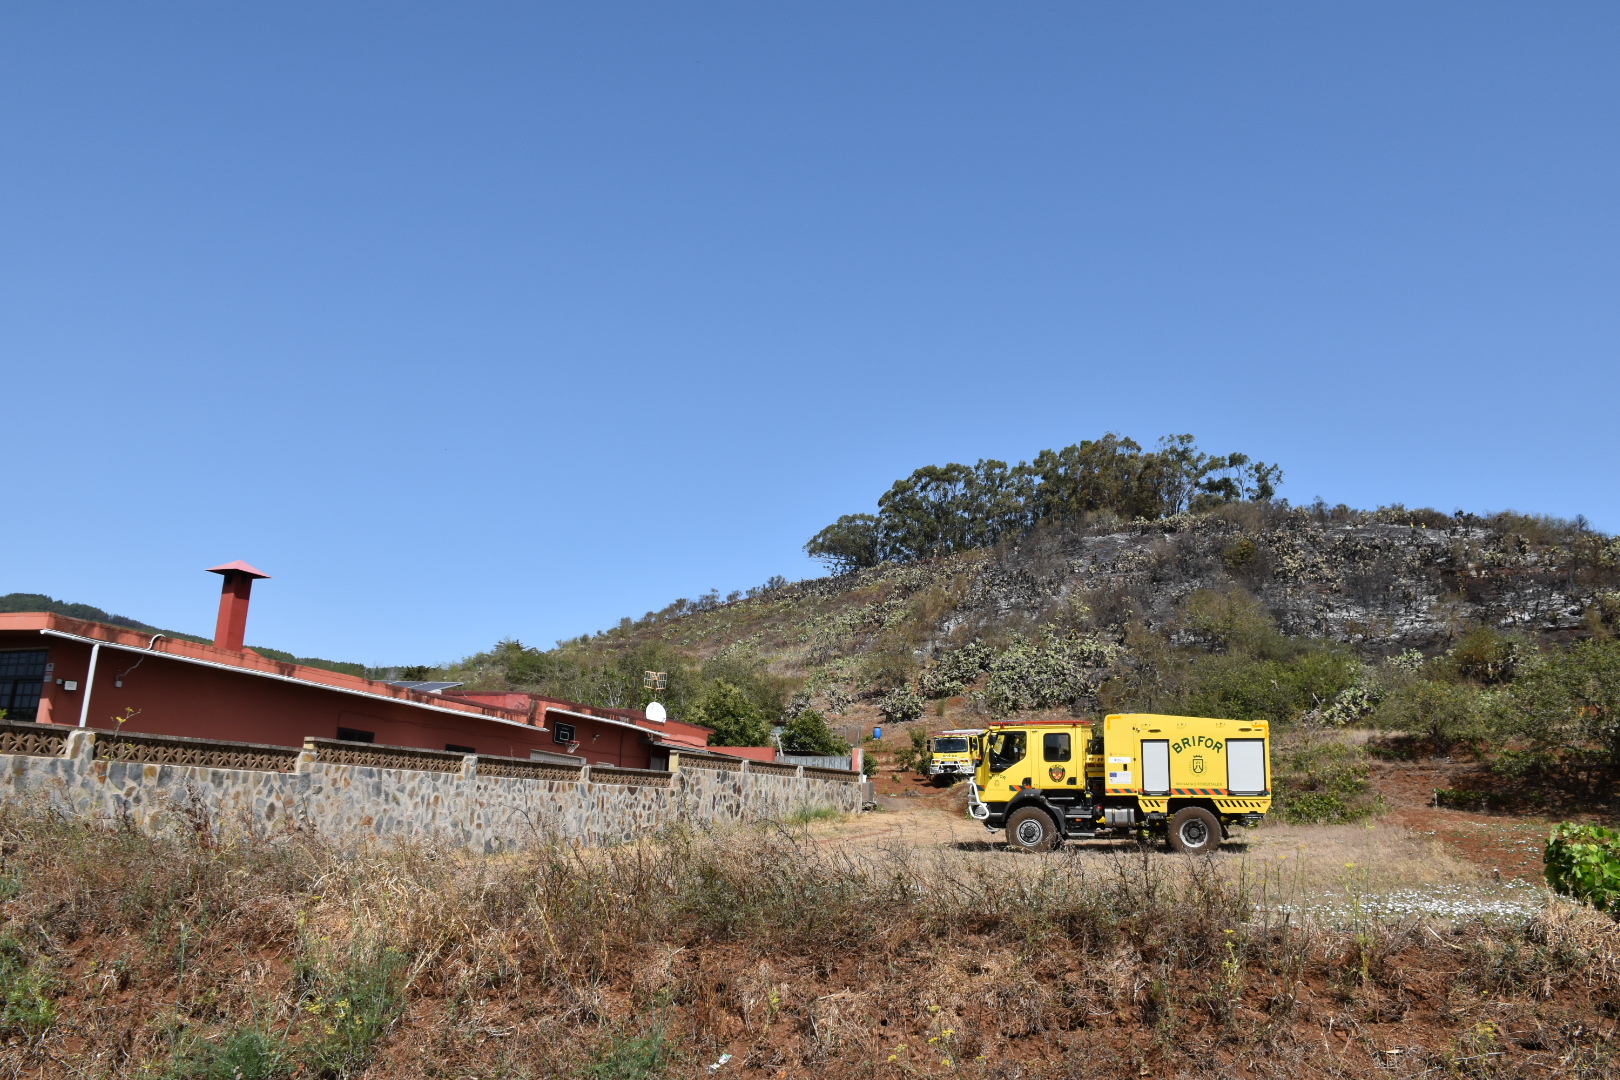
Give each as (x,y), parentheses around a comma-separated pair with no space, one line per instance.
(917,757)
(1445,714)
(1241,687)
(1321,782)
(1583,861)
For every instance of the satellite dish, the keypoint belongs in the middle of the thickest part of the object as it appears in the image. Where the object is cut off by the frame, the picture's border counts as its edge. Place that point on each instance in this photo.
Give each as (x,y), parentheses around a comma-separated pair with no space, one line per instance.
(655,712)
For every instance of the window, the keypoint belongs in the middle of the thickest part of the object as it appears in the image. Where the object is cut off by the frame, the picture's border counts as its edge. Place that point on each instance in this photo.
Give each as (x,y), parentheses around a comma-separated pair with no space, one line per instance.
(953,745)
(1056,745)
(454,749)
(1156,766)
(1246,766)
(563,733)
(22,675)
(1006,750)
(349,734)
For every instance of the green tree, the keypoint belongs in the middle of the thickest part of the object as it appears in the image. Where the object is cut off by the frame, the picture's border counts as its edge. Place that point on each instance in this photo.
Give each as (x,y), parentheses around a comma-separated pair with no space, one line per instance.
(939,509)
(1571,699)
(734,716)
(808,733)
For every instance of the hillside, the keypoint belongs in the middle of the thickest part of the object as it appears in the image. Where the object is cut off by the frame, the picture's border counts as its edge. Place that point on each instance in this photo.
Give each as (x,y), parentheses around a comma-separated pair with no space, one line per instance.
(1452,632)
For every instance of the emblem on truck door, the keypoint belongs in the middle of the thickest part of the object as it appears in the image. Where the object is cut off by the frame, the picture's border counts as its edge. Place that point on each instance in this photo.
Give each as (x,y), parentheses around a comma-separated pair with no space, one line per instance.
(1056,773)
(1198,763)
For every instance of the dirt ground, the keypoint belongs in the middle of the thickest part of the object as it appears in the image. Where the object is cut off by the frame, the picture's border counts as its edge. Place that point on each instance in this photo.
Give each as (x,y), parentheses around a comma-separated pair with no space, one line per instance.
(1431,860)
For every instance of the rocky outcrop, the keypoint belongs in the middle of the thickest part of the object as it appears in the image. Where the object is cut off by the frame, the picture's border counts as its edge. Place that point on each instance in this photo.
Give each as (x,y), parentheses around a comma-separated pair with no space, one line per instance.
(1384,586)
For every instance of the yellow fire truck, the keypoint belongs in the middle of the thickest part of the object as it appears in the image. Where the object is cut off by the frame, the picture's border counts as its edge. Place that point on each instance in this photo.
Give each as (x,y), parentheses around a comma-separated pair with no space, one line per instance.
(1187,779)
(952,754)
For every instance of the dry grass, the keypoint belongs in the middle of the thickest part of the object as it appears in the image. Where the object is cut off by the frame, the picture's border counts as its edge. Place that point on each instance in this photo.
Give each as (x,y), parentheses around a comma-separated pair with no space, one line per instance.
(797,955)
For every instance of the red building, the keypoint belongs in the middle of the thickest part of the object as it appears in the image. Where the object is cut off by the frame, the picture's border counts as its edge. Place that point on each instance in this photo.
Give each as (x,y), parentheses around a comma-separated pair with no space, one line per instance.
(57,670)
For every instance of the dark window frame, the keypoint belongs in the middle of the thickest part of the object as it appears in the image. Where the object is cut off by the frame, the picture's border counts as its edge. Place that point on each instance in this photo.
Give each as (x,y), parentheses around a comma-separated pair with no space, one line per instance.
(22,682)
(1065,752)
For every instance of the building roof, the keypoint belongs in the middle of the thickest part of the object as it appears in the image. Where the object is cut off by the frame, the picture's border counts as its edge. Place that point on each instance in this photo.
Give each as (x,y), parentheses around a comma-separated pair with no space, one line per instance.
(248,663)
(424,687)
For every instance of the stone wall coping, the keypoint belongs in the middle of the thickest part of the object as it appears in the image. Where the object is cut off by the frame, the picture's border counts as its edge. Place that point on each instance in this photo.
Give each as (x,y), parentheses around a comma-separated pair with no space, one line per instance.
(434,760)
(848,776)
(538,763)
(105,734)
(773,768)
(614,770)
(719,764)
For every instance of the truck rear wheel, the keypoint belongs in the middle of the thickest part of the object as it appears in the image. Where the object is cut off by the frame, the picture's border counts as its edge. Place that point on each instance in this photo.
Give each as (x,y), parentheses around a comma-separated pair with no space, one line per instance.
(1031,829)
(1194,831)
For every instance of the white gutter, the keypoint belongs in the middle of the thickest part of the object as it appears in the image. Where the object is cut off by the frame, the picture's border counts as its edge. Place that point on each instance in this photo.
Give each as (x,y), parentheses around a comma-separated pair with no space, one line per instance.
(97,643)
(89,684)
(599,719)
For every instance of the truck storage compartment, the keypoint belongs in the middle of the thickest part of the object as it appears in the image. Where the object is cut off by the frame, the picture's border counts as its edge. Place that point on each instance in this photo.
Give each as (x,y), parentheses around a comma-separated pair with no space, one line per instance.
(1246,766)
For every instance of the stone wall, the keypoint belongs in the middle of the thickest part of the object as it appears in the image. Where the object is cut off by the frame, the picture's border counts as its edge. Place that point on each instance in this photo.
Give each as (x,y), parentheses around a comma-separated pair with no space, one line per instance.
(356,790)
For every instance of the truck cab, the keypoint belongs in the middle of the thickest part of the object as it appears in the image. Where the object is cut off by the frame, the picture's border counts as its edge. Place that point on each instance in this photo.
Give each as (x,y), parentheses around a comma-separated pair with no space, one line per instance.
(953,754)
(1185,779)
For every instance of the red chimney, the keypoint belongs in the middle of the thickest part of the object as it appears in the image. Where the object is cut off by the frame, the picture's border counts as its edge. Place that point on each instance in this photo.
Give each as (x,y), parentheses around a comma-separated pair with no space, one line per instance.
(231,629)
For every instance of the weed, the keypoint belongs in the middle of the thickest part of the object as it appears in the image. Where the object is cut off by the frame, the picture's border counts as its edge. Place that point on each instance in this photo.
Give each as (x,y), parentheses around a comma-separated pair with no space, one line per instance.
(26,988)
(245,1054)
(353,996)
(805,815)
(626,1056)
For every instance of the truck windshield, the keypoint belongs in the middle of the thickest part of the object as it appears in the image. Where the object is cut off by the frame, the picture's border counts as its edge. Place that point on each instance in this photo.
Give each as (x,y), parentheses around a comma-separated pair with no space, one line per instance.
(950,746)
(1006,750)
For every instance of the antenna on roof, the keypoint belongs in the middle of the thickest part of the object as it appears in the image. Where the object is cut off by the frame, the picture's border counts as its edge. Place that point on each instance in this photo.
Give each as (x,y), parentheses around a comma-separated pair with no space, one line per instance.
(655,681)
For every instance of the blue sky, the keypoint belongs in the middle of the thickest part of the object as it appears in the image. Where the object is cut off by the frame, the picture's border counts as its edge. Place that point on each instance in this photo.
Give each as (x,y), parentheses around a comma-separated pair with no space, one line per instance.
(472,321)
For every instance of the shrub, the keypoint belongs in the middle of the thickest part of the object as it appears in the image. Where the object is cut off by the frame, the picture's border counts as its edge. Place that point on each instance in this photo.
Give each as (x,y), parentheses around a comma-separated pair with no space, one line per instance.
(953,671)
(901,705)
(1484,656)
(1583,861)
(1242,687)
(1445,714)
(1053,671)
(1321,782)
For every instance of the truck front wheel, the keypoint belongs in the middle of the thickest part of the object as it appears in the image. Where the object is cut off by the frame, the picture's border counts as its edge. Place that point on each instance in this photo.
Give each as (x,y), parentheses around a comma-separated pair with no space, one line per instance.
(1031,829)
(1194,831)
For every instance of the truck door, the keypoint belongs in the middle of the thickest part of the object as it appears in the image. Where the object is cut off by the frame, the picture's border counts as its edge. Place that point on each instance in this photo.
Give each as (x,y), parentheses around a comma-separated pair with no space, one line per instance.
(1246,766)
(1155,766)
(1057,749)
